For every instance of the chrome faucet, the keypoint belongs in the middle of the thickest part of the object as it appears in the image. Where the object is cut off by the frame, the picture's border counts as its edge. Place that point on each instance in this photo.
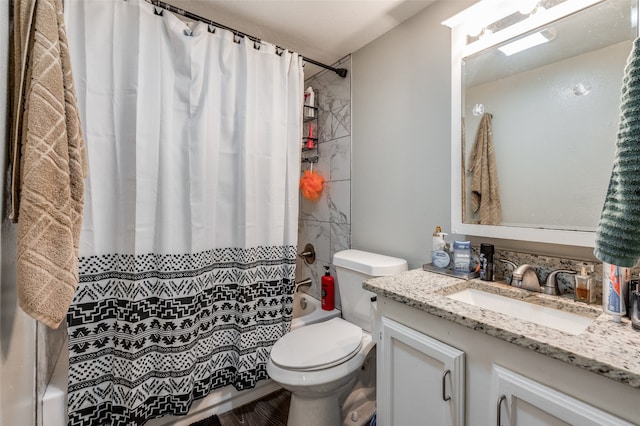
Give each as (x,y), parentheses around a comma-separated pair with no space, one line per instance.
(513,266)
(508,262)
(524,276)
(551,284)
(302,283)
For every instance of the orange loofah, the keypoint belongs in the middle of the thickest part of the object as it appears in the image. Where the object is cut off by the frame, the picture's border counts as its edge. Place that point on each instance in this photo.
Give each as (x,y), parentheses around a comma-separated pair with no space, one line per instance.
(311,185)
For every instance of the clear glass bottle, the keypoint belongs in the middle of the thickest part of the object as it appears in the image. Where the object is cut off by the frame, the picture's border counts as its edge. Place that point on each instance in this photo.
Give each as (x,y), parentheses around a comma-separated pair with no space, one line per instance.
(583,291)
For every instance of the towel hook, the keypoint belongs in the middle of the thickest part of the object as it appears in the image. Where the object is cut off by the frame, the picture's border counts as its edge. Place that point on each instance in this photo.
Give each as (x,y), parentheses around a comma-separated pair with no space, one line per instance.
(478,109)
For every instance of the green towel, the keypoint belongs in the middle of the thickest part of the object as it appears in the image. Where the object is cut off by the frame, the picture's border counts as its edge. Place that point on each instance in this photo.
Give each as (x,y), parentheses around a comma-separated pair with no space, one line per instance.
(618,234)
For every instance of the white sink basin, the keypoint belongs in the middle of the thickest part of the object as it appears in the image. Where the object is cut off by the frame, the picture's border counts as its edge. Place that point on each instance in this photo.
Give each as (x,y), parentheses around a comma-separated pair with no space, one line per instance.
(567,322)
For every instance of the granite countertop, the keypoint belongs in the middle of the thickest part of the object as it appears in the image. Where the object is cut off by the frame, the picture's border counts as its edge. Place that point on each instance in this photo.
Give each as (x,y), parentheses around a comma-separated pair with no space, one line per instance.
(605,347)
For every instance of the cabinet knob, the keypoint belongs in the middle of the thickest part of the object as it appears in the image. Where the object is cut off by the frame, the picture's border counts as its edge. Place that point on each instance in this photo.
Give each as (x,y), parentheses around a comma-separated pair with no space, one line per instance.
(445,397)
(499,411)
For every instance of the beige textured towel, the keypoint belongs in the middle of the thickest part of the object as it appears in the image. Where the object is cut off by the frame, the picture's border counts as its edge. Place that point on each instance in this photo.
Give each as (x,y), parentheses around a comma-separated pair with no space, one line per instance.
(485,191)
(48,162)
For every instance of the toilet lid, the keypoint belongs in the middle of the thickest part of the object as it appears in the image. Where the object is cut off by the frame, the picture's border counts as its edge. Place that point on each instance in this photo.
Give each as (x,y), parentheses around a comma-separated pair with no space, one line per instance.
(317,345)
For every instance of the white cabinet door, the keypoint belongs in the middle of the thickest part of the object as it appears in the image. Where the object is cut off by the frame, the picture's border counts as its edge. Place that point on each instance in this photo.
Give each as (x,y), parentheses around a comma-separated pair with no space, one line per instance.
(420,379)
(521,401)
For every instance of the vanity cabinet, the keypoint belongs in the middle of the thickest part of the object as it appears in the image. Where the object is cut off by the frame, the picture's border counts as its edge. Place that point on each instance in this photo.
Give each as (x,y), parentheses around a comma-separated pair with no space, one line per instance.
(521,401)
(420,379)
(417,348)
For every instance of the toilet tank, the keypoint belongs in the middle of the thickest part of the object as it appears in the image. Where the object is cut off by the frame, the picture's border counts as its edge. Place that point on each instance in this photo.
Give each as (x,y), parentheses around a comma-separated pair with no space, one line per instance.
(352,268)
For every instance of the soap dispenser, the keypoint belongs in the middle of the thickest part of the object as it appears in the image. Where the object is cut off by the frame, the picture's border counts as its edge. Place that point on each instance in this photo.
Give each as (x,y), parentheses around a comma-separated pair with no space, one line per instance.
(439,256)
(583,291)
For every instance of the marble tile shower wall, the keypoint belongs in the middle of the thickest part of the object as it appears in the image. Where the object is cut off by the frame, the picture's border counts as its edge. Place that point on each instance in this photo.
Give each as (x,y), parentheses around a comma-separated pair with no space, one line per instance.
(326,223)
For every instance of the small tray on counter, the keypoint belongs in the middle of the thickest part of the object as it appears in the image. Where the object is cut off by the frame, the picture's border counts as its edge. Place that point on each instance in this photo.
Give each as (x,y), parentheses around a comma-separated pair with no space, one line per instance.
(450,272)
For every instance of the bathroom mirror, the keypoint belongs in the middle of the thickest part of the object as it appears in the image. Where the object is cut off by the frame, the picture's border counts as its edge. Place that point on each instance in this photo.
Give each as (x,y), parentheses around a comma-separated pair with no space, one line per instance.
(554,109)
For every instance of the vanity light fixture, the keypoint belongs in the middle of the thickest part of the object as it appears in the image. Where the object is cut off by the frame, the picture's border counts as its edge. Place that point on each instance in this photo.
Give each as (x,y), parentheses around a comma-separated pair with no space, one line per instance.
(527,42)
(486,12)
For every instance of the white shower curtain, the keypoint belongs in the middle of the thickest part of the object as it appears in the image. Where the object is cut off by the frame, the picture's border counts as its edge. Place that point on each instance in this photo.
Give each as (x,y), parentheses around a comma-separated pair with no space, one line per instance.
(188,246)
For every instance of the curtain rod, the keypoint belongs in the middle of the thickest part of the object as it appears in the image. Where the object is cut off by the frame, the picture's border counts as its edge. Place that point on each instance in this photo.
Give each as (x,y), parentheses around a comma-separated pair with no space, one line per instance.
(342,72)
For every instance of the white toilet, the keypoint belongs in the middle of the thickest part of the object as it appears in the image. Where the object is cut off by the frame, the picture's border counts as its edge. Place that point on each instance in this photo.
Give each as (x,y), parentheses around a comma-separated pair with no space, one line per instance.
(318,363)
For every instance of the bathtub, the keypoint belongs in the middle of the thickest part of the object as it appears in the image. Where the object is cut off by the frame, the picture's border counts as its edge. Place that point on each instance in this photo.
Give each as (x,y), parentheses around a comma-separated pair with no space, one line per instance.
(54,401)
(307,310)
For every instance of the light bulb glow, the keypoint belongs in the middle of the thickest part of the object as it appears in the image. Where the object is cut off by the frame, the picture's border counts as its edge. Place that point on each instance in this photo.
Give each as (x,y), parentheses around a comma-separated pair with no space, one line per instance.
(528,6)
(527,42)
(474,30)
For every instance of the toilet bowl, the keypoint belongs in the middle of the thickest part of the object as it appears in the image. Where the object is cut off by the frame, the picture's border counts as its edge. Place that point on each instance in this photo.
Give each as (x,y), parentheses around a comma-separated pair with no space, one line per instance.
(318,363)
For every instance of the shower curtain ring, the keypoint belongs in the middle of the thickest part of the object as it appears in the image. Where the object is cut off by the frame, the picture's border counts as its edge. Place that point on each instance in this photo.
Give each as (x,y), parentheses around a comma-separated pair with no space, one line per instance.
(236,37)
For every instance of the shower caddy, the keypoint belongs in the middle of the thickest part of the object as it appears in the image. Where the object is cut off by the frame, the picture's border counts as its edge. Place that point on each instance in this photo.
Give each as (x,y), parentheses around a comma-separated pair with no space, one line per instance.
(310,151)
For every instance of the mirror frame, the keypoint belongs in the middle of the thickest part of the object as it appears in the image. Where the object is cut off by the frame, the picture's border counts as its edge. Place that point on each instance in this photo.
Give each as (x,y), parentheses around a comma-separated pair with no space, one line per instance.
(489,11)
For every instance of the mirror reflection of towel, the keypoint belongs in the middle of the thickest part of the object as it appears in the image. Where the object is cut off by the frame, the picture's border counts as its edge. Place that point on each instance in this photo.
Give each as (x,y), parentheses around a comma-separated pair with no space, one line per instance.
(485,191)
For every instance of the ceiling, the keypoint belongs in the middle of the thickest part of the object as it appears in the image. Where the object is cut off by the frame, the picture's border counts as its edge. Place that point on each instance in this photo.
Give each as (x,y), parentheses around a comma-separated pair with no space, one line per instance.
(323,30)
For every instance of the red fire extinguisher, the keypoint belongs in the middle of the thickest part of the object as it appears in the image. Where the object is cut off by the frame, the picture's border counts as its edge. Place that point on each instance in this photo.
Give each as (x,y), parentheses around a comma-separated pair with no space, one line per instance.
(328,291)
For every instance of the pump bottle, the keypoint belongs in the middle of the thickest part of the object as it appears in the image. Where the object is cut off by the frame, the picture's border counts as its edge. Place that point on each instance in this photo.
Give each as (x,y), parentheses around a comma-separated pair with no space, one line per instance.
(439,256)
(327,287)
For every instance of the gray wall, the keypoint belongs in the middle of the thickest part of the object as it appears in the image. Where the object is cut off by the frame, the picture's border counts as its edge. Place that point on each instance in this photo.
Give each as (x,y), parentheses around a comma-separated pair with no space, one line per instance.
(17,330)
(401,133)
(401,136)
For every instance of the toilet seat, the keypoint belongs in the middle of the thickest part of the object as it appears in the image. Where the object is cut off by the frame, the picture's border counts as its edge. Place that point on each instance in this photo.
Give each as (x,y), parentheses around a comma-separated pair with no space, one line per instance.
(317,346)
